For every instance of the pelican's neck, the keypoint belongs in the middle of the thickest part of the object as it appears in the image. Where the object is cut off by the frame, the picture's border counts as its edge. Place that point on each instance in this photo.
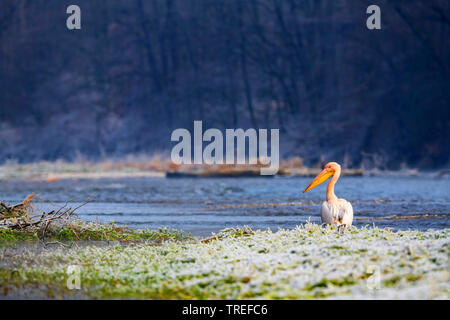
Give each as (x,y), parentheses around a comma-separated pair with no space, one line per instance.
(330,189)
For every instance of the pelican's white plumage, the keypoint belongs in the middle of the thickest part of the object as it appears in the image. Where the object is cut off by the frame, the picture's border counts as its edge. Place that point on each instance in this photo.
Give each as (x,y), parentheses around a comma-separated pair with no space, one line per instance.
(334,211)
(337,212)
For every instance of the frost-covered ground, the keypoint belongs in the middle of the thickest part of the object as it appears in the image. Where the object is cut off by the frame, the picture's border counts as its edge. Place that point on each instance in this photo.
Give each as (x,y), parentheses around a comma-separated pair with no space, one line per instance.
(306,262)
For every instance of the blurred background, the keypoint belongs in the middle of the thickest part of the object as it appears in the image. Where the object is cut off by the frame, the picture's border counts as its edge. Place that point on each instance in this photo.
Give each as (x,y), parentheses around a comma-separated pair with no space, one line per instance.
(139,69)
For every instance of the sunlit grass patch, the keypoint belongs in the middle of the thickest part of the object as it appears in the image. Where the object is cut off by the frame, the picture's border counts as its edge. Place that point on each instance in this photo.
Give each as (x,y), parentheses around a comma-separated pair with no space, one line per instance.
(83,231)
(22,222)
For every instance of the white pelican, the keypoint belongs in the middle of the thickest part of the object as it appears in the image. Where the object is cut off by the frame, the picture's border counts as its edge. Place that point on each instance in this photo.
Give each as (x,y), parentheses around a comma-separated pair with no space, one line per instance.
(334,211)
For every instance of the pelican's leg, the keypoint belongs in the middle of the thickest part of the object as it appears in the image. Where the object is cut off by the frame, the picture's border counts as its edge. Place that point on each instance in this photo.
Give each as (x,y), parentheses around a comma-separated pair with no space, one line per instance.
(343,226)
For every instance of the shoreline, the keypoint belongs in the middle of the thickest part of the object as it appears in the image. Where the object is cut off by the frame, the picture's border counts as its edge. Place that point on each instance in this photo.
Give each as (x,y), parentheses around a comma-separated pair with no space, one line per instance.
(234,173)
(55,176)
(157,167)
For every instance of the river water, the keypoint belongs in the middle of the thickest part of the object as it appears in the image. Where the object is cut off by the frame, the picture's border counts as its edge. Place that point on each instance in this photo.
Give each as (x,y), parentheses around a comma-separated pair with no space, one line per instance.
(201,206)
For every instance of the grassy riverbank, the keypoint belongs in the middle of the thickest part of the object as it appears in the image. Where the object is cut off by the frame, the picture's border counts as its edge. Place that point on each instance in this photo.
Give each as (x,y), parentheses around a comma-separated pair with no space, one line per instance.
(23,222)
(306,262)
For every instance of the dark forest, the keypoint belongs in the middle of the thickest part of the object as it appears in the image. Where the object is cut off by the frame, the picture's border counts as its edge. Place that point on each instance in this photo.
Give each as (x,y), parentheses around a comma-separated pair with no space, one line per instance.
(139,69)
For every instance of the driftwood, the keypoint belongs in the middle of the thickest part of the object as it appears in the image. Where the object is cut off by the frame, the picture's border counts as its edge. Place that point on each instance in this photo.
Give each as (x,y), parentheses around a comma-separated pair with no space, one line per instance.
(22,216)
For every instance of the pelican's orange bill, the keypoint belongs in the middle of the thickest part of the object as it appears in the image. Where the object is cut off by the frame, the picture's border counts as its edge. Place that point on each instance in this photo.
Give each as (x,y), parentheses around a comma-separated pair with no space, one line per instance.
(321,177)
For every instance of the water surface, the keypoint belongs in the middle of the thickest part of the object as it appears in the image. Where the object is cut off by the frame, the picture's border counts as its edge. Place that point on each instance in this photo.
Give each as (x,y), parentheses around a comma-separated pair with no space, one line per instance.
(202,206)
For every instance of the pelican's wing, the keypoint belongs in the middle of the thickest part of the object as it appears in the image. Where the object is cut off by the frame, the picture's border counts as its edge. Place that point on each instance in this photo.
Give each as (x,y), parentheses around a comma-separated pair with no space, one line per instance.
(345,212)
(337,212)
(328,213)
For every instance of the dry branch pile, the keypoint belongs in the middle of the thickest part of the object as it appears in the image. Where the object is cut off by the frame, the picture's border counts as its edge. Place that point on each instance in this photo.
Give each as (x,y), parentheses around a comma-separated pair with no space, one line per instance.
(24,217)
